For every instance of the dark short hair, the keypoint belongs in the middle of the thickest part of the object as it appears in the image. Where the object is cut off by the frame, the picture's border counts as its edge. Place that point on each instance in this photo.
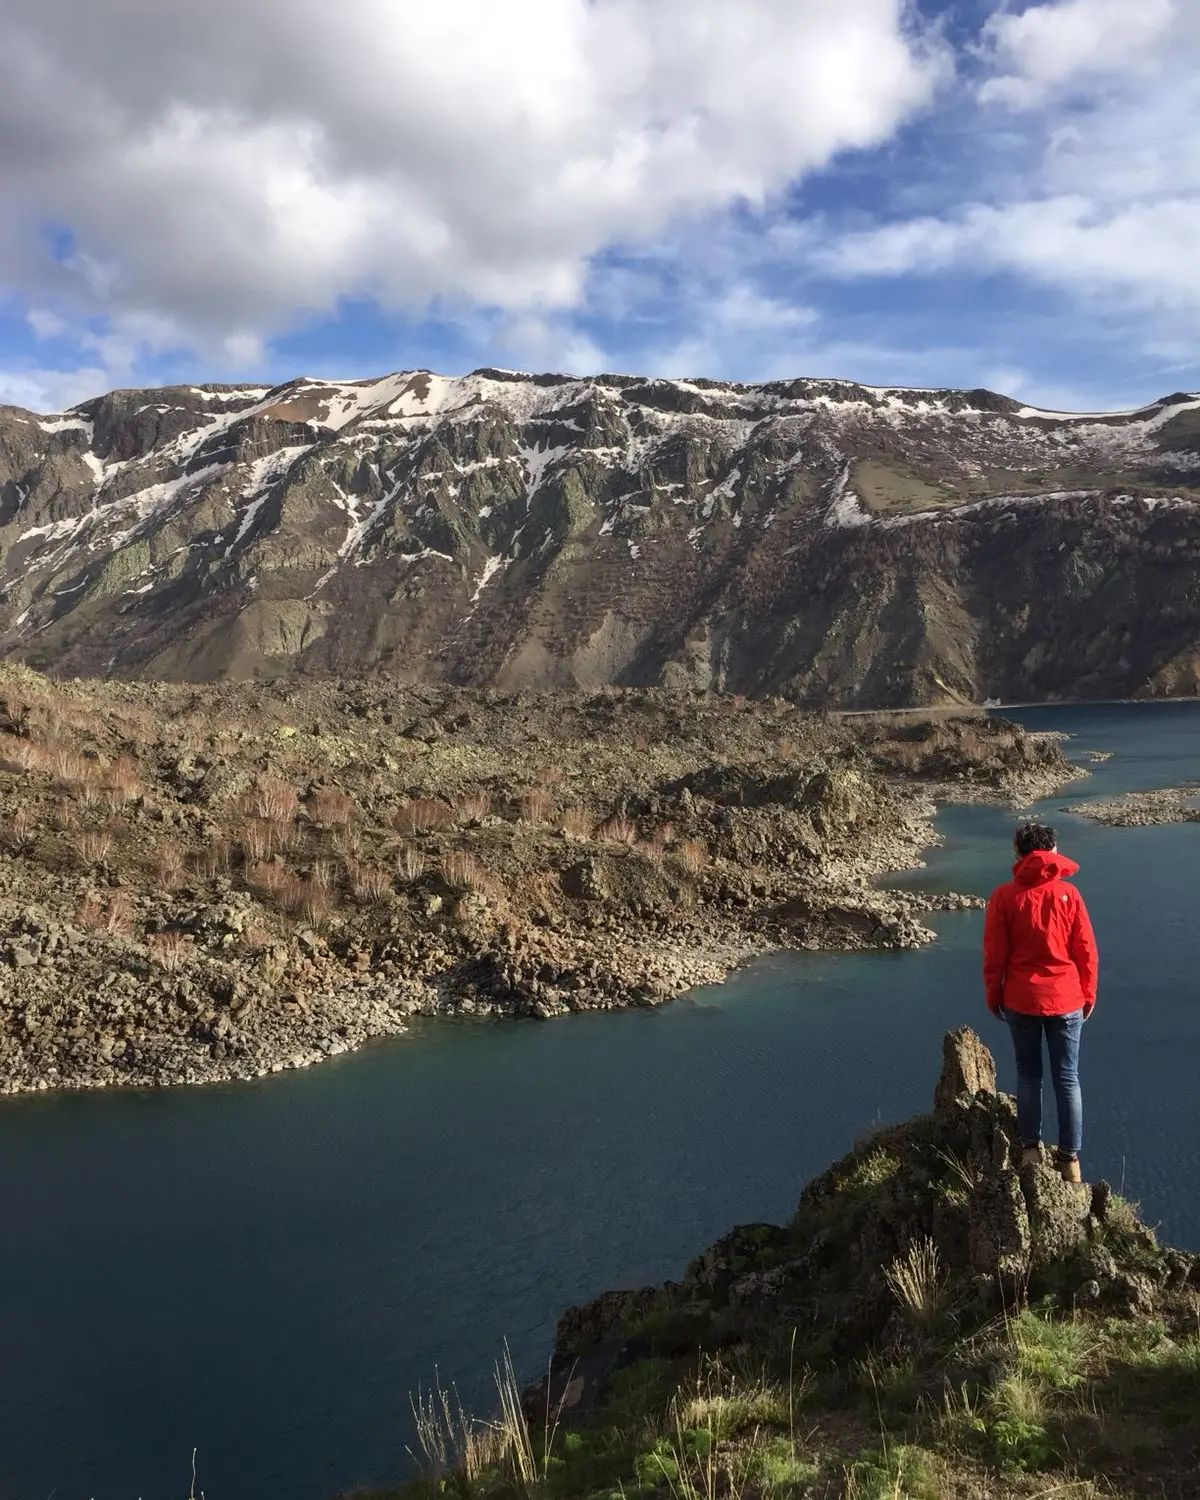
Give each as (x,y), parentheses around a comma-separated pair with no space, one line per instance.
(1031,836)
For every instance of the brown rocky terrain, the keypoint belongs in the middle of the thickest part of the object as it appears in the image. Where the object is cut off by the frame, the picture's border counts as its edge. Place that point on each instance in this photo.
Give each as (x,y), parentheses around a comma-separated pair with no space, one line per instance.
(204,882)
(837,543)
(937,1321)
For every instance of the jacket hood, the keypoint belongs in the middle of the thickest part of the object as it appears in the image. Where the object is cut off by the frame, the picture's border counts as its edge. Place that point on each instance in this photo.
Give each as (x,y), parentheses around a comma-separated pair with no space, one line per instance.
(1042,865)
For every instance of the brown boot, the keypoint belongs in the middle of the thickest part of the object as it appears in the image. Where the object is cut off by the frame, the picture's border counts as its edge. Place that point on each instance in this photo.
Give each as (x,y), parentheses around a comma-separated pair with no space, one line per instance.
(1069,1167)
(1031,1156)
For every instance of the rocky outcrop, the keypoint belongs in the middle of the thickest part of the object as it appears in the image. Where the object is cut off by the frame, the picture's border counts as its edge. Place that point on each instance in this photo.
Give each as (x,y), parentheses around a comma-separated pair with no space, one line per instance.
(948,1188)
(838,543)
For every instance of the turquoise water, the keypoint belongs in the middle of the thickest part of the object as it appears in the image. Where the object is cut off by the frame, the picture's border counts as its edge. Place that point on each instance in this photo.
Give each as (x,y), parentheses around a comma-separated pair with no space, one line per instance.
(264,1271)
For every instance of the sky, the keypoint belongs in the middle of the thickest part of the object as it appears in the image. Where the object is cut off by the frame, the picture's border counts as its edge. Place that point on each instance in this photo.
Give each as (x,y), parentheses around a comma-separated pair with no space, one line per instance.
(950,192)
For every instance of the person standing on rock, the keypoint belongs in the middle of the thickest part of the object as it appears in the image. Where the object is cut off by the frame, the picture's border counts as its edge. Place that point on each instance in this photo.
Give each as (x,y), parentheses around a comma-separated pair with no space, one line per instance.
(1039,972)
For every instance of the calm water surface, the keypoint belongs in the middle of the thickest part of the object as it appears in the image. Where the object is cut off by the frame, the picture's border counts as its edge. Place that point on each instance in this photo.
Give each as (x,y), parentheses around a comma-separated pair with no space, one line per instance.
(264,1271)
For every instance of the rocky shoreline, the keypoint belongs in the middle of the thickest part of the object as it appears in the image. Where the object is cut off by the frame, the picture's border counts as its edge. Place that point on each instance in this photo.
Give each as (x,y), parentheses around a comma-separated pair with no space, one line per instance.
(1177,804)
(202,885)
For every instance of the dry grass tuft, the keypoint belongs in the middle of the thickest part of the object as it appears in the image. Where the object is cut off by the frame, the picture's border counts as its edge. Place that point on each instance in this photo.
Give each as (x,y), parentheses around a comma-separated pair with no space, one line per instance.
(422,815)
(463,872)
(693,856)
(619,830)
(215,859)
(275,801)
(268,877)
(410,863)
(537,805)
(93,845)
(916,1279)
(17,833)
(369,883)
(171,950)
(473,806)
(113,914)
(329,807)
(169,868)
(577,823)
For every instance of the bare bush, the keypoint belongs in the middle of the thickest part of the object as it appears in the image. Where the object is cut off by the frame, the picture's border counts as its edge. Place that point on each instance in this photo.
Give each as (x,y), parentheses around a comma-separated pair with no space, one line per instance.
(537,805)
(549,775)
(463,872)
(113,914)
(410,863)
(577,823)
(268,877)
(422,815)
(213,860)
(120,782)
(664,835)
(619,830)
(18,832)
(259,839)
(93,846)
(308,900)
(324,874)
(329,807)
(693,856)
(369,883)
(63,816)
(21,755)
(347,842)
(169,868)
(473,806)
(276,801)
(170,950)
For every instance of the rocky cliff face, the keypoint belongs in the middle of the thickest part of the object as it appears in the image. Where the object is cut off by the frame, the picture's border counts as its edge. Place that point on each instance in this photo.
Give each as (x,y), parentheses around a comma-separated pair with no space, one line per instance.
(831,541)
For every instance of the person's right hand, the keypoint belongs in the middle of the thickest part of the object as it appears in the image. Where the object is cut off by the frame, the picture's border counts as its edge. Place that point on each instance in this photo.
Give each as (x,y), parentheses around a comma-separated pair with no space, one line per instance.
(1088,1009)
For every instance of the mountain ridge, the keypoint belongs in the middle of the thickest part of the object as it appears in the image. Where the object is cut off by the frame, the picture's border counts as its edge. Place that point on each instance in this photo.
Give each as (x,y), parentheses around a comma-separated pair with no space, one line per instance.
(826,540)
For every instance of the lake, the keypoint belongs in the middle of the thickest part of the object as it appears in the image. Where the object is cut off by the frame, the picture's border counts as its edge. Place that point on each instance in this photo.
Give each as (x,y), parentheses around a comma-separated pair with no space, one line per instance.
(264,1271)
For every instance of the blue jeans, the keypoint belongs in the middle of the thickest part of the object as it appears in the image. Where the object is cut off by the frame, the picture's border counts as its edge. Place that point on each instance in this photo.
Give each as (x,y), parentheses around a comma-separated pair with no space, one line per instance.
(1062,1039)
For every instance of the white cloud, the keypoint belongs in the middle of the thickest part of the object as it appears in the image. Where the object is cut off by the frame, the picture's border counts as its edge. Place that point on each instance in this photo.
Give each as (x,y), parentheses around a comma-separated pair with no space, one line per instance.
(224,169)
(51,390)
(1051,47)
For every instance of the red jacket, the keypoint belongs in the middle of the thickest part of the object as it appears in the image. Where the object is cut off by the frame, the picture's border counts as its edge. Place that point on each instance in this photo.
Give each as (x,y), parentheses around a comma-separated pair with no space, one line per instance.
(1039,951)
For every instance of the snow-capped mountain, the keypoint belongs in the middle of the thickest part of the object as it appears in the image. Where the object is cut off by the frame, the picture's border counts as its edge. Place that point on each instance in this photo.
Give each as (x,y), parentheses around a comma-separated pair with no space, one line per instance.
(839,542)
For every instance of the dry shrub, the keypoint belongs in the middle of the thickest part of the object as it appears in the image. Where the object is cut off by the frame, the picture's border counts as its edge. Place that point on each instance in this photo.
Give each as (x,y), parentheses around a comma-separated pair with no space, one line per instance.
(169,867)
(463,872)
(329,807)
(472,807)
(370,883)
(94,846)
(410,863)
(18,832)
(422,815)
(276,801)
(21,755)
(577,823)
(664,835)
(549,776)
(619,830)
(120,782)
(324,874)
(213,860)
(267,876)
(112,914)
(259,840)
(347,842)
(307,899)
(537,805)
(170,950)
(693,856)
(62,815)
